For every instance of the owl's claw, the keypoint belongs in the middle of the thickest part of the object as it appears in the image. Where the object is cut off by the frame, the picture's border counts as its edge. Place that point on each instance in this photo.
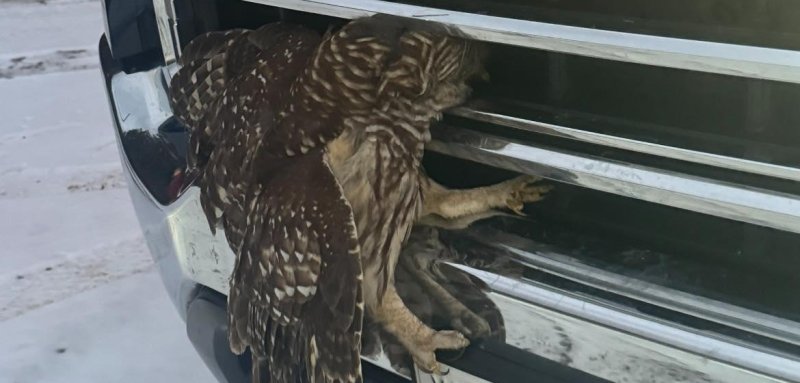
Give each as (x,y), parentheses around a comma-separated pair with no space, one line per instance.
(423,354)
(471,325)
(522,190)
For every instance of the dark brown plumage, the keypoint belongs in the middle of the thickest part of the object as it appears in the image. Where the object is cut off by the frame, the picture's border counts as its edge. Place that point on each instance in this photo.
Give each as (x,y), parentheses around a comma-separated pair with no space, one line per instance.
(308,153)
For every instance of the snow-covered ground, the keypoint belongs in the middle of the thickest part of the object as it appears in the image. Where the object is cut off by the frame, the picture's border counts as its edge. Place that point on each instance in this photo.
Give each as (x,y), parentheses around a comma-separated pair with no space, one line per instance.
(80,300)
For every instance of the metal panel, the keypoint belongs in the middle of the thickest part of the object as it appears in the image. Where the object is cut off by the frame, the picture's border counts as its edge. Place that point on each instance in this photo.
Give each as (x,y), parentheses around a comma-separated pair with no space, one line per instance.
(725,162)
(703,56)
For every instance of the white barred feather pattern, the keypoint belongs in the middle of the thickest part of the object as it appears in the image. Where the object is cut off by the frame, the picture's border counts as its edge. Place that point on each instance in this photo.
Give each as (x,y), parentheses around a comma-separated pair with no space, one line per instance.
(307,151)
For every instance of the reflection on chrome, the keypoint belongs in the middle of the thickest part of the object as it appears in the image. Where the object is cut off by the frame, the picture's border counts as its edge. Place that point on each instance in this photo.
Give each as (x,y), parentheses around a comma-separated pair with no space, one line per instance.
(157,162)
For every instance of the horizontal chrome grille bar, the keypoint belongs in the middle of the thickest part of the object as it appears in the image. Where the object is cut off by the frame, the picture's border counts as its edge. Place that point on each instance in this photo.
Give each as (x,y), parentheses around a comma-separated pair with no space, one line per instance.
(718,198)
(541,296)
(720,161)
(702,56)
(556,262)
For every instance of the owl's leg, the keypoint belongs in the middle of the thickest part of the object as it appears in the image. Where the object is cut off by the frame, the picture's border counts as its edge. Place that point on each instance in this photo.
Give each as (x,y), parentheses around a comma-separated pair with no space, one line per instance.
(462,222)
(420,340)
(478,202)
(459,315)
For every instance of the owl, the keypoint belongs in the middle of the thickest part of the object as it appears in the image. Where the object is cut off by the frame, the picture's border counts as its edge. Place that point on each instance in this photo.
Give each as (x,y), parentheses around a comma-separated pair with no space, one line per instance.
(307,150)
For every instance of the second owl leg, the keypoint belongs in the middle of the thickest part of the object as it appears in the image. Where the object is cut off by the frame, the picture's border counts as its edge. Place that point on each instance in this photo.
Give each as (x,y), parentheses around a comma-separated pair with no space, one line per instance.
(420,340)
(454,204)
(459,315)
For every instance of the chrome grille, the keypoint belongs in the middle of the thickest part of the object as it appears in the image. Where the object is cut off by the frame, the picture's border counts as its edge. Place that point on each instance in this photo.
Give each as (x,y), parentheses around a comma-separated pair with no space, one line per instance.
(728,192)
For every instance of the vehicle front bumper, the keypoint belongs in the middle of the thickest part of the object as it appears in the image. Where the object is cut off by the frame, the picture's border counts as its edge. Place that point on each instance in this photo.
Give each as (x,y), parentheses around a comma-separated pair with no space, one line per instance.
(566,338)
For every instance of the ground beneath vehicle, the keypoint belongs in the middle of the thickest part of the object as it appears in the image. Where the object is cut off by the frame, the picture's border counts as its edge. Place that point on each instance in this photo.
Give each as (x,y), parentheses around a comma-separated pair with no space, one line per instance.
(667,250)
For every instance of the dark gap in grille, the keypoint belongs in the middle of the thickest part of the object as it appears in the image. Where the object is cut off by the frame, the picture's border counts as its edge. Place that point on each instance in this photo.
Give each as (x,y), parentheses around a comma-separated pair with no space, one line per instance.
(624,156)
(787,155)
(746,118)
(770,23)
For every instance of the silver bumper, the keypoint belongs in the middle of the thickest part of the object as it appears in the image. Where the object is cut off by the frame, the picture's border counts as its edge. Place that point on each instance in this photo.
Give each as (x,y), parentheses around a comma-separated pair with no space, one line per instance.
(586,334)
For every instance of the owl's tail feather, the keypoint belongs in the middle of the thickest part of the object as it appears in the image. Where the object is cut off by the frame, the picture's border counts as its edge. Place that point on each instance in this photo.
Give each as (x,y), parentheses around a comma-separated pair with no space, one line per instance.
(284,352)
(341,361)
(259,366)
(239,314)
(333,353)
(331,356)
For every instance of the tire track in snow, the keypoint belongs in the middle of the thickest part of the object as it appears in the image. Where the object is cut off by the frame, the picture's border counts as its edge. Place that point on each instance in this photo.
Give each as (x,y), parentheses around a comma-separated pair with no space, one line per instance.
(30,182)
(61,60)
(44,284)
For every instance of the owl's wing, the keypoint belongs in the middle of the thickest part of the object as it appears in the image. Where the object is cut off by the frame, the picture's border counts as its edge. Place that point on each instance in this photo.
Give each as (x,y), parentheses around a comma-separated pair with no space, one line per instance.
(201,78)
(296,292)
(227,94)
(193,88)
(339,86)
(220,65)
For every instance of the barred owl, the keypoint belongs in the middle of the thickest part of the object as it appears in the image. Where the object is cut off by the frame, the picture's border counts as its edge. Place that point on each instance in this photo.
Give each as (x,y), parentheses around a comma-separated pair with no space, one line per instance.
(307,151)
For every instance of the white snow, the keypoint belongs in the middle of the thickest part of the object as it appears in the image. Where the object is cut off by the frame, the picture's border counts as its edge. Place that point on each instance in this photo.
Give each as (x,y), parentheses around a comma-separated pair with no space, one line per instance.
(80,300)
(55,26)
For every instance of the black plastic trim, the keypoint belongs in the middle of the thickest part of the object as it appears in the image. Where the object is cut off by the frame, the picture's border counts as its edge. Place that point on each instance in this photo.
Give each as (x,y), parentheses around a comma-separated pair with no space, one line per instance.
(207,328)
(500,363)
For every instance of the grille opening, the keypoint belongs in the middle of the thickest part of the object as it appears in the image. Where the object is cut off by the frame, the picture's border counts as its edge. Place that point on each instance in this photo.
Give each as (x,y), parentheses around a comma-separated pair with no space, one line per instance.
(738,117)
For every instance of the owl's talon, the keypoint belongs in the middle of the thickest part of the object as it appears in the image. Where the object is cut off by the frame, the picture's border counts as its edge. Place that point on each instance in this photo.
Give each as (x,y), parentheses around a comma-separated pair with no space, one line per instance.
(471,325)
(515,206)
(424,356)
(522,190)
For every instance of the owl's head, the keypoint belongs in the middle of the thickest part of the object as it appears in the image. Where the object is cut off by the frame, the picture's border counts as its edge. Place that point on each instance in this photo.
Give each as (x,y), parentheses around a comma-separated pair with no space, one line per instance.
(432,66)
(458,60)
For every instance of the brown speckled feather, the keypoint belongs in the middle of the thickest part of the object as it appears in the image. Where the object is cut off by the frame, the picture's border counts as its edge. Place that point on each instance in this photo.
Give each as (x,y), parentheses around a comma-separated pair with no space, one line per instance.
(227,97)
(299,275)
(308,153)
(296,289)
